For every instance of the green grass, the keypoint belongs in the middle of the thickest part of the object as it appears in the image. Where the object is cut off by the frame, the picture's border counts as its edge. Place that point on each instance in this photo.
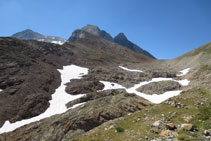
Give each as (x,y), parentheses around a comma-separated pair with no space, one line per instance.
(120,129)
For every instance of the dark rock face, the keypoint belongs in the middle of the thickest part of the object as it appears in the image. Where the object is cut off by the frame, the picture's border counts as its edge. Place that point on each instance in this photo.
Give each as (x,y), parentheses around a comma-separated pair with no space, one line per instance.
(31,35)
(159,87)
(91,29)
(122,40)
(97,32)
(28,77)
(73,123)
(83,86)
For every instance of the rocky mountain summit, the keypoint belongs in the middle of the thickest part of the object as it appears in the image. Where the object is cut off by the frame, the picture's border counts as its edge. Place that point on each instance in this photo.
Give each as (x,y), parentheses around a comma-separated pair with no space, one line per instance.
(120,39)
(28,34)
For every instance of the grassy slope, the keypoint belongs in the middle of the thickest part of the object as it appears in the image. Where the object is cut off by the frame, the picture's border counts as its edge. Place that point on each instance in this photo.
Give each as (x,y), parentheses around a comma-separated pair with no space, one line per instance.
(135,129)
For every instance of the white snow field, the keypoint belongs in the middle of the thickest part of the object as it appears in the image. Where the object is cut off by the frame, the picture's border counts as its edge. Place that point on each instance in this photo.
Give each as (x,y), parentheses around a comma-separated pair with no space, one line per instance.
(58,42)
(154,98)
(124,68)
(59,99)
(184,72)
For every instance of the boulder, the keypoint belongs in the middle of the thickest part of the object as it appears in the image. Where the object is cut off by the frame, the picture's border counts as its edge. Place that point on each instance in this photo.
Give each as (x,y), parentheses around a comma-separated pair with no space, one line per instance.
(168,133)
(207,132)
(170,126)
(187,127)
(82,86)
(157,124)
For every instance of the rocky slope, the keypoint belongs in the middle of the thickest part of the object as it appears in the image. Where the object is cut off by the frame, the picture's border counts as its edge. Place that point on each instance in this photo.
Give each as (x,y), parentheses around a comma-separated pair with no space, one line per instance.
(29,76)
(31,35)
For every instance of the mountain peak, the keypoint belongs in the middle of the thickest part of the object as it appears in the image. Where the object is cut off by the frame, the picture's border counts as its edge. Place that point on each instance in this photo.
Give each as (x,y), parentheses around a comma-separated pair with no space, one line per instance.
(122,40)
(29,34)
(121,36)
(27,30)
(91,29)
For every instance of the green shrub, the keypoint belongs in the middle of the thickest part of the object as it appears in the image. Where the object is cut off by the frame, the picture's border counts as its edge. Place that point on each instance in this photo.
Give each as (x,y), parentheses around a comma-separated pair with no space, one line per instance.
(120,129)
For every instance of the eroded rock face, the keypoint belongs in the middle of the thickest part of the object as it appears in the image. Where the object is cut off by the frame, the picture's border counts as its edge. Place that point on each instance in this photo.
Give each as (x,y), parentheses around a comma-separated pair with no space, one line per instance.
(83,86)
(114,104)
(159,87)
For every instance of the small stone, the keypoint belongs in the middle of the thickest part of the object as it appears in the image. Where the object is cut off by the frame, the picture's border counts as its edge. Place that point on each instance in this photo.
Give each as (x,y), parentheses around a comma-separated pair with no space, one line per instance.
(187,127)
(168,133)
(138,119)
(112,126)
(207,132)
(157,124)
(146,138)
(170,126)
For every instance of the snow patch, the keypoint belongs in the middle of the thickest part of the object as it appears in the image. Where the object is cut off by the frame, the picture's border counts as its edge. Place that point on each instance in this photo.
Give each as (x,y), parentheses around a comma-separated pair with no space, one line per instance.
(133,70)
(111,85)
(59,99)
(184,82)
(183,72)
(41,40)
(58,42)
(0,90)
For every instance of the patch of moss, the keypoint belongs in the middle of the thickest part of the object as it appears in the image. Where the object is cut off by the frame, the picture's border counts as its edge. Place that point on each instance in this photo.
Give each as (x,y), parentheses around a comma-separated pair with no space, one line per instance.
(120,129)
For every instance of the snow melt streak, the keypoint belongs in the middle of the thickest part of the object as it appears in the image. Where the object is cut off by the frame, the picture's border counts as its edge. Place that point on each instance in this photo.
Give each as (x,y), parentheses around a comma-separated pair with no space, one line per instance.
(130,69)
(59,99)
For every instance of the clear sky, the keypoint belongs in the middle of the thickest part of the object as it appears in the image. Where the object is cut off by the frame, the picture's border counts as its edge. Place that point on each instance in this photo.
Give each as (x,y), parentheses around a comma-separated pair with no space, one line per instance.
(165,28)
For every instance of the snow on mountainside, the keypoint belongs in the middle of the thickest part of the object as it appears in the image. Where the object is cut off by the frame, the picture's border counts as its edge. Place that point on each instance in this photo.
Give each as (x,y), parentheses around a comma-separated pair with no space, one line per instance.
(31,35)
(154,98)
(59,99)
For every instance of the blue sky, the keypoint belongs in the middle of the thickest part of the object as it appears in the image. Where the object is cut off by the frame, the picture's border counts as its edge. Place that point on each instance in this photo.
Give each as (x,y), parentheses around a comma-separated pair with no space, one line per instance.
(165,28)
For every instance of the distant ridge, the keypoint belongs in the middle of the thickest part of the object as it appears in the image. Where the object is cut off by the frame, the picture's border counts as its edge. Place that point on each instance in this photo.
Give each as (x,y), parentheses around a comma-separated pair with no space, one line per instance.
(29,34)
